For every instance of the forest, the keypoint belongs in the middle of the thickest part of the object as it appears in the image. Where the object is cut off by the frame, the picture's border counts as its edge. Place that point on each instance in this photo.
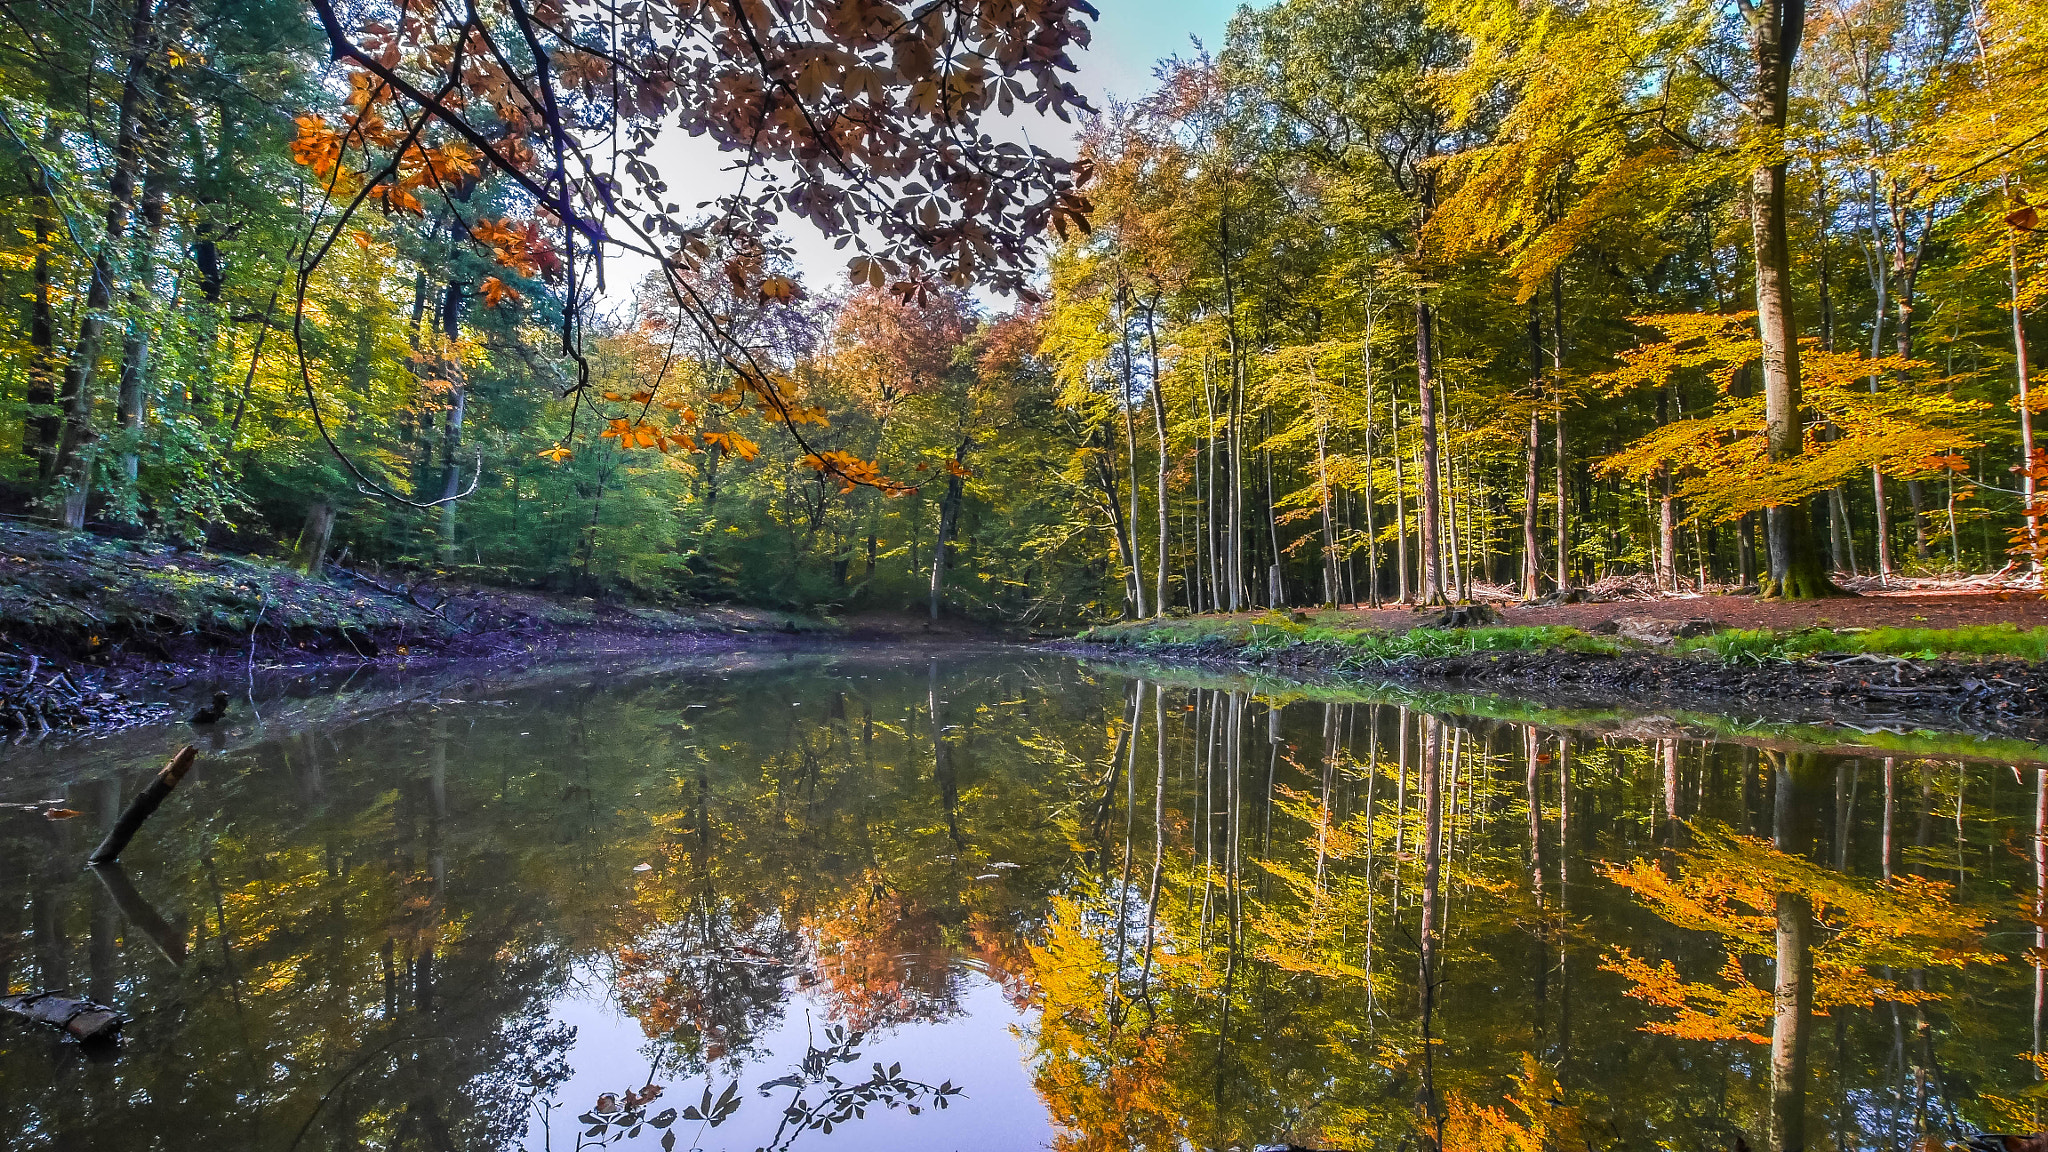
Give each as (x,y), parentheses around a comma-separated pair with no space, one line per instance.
(1373,301)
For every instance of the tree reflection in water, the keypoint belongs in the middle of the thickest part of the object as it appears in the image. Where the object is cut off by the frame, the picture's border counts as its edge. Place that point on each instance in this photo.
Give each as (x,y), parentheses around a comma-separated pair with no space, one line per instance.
(1229,920)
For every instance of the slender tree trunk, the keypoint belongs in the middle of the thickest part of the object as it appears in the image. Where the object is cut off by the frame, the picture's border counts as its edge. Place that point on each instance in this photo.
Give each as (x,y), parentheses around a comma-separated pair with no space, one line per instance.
(1745,548)
(1209,512)
(1277,592)
(1916,497)
(1564,540)
(1432,506)
(1333,589)
(949,518)
(1240,589)
(1532,498)
(2019,352)
(132,401)
(1372,541)
(1233,414)
(42,428)
(1400,500)
(451,438)
(1123,343)
(1667,525)
(1881,281)
(1160,595)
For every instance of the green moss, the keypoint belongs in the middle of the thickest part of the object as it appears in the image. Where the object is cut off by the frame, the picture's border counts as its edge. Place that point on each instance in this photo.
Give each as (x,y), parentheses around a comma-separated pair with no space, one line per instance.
(1761,645)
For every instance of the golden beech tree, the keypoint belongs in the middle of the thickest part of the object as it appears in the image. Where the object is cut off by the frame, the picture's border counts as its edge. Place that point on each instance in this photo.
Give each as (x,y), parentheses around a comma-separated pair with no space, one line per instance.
(1913,426)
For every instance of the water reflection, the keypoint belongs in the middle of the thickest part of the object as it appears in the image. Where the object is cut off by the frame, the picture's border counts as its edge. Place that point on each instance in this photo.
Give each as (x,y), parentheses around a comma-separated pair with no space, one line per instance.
(1004,901)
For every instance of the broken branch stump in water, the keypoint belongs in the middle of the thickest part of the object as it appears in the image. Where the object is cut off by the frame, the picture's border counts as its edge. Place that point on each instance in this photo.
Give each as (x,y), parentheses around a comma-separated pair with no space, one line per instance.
(83,1020)
(144,804)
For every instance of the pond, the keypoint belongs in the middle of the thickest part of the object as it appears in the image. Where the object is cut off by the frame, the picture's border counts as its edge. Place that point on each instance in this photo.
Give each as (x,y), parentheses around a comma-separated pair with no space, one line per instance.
(1000,899)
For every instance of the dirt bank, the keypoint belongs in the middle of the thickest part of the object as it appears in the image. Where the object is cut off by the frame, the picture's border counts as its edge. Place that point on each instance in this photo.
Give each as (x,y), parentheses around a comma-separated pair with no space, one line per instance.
(1611,653)
(94,632)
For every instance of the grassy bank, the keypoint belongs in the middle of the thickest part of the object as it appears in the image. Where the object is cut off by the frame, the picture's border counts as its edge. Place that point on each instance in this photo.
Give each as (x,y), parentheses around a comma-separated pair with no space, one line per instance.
(1337,647)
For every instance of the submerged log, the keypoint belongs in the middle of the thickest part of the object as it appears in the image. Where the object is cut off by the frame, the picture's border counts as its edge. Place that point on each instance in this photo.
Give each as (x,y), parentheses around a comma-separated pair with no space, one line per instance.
(144,804)
(83,1020)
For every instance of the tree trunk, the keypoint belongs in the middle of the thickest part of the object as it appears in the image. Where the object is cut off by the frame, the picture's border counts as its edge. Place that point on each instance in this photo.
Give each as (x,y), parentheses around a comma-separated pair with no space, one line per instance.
(1400,500)
(1123,343)
(1797,570)
(949,517)
(2019,350)
(42,428)
(1215,553)
(1564,576)
(1240,591)
(1842,538)
(1745,549)
(132,402)
(310,554)
(1917,497)
(1372,542)
(1532,542)
(1277,597)
(451,438)
(1160,598)
(1432,510)
(1667,524)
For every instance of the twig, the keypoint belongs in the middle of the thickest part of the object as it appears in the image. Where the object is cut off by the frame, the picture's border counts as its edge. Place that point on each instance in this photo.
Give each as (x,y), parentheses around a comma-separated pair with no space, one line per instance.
(253,626)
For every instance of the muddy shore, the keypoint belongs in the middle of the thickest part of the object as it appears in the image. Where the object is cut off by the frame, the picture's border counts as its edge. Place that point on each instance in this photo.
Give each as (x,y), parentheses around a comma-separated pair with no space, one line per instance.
(1992,696)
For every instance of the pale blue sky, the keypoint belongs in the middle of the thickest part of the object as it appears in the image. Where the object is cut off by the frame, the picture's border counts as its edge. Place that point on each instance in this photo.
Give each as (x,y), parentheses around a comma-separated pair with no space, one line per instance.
(1133,34)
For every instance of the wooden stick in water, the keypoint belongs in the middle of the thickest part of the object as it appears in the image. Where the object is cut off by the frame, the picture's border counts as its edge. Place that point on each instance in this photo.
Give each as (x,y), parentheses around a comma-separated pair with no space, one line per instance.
(141,913)
(143,806)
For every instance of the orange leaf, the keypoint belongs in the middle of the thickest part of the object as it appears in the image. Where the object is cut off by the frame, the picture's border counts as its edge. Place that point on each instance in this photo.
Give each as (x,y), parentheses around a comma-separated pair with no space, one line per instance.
(496,292)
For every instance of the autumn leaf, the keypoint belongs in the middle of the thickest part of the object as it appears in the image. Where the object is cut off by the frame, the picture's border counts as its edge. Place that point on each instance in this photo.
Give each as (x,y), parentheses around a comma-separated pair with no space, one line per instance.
(496,292)
(557,454)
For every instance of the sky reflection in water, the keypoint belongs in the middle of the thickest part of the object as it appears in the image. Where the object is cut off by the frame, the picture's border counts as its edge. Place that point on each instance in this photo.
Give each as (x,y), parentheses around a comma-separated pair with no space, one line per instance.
(464,925)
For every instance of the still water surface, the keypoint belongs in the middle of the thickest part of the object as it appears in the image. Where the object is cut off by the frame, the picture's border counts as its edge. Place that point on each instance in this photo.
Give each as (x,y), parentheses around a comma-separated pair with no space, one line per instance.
(1000,900)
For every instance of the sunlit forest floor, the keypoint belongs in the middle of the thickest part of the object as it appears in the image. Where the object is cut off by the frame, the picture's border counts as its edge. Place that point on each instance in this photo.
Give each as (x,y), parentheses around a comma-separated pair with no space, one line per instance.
(1907,606)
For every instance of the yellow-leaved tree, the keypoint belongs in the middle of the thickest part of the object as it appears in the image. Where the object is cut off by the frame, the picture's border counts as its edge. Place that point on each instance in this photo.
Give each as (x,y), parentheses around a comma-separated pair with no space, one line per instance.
(1911,425)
